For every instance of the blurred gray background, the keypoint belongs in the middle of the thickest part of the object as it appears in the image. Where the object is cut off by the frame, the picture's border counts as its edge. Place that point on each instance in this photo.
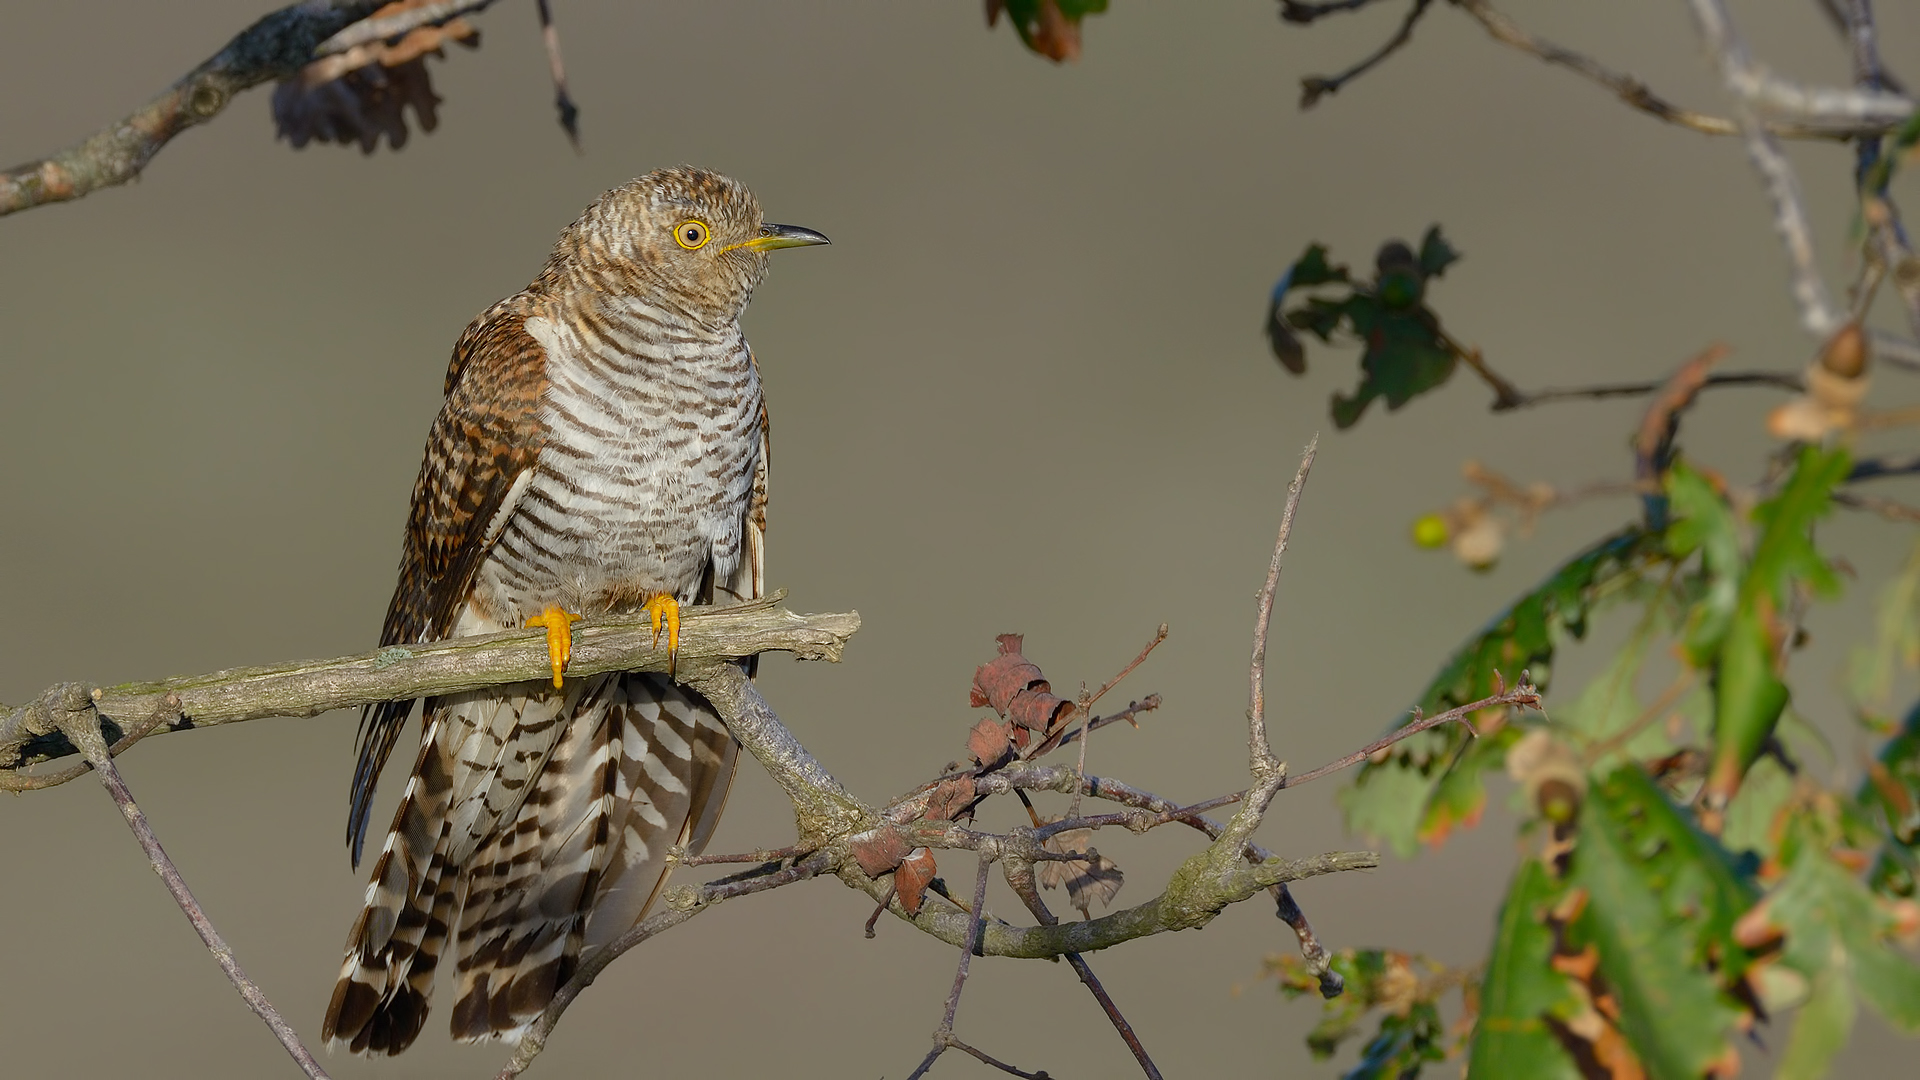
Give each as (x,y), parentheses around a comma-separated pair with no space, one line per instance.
(1024,390)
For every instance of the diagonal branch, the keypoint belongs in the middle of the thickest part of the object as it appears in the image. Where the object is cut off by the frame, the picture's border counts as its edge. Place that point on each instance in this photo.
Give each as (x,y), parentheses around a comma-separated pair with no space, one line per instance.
(77,719)
(1315,87)
(1629,89)
(1753,88)
(279,44)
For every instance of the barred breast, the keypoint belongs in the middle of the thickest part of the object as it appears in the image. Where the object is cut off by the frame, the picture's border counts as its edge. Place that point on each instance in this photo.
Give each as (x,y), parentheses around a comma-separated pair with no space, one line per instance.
(652,427)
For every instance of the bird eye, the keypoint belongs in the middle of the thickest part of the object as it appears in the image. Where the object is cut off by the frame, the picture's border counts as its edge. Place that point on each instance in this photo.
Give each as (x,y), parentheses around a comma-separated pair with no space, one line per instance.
(691,234)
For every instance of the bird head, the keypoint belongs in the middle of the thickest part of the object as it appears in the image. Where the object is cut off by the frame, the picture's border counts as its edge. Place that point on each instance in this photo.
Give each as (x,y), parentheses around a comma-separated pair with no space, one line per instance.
(687,236)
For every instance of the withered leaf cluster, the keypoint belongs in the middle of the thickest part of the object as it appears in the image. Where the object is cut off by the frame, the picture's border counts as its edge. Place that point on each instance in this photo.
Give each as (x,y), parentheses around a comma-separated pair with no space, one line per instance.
(1027,708)
(362,93)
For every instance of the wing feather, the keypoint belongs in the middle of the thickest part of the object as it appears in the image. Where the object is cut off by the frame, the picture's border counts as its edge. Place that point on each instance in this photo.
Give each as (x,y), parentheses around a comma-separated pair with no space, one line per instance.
(486,437)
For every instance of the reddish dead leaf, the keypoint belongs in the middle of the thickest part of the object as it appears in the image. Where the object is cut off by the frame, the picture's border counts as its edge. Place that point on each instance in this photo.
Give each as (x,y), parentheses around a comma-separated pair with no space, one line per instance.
(1039,710)
(910,881)
(990,742)
(880,851)
(952,798)
(1016,689)
(996,681)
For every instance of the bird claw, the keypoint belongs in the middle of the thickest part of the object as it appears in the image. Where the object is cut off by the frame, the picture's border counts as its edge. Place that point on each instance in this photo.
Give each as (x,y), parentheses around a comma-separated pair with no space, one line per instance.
(559,626)
(666,608)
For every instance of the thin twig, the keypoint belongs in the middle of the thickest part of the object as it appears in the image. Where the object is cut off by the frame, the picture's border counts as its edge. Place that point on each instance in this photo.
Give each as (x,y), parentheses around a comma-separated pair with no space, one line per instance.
(1654,442)
(1134,708)
(1259,748)
(1319,963)
(1315,87)
(1886,508)
(943,1035)
(562,101)
(1878,468)
(82,727)
(1752,89)
(1629,89)
(1523,694)
(1159,636)
(709,895)
(1306,11)
(1020,877)
(986,1058)
(1779,380)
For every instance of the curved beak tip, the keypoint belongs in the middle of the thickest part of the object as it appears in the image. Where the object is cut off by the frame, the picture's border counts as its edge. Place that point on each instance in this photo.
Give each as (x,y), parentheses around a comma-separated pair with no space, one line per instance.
(773,237)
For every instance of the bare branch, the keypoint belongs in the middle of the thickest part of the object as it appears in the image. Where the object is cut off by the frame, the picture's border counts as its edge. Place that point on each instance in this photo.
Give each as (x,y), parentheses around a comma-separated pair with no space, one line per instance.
(1754,89)
(943,1035)
(1307,11)
(1020,877)
(1778,380)
(562,101)
(1315,87)
(76,718)
(1259,748)
(395,673)
(1626,87)
(277,45)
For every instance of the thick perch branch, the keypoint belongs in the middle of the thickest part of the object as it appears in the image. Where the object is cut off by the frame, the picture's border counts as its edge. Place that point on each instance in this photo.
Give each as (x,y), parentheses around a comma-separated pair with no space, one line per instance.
(28,736)
(278,45)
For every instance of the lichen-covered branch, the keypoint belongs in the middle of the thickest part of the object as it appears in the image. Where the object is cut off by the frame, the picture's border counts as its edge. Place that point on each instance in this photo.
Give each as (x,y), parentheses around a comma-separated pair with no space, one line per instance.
(278,45)
(29,736)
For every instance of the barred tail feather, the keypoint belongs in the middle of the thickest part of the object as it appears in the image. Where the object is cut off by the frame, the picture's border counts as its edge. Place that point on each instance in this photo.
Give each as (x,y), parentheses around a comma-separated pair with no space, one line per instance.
(380,1001)
(643,765)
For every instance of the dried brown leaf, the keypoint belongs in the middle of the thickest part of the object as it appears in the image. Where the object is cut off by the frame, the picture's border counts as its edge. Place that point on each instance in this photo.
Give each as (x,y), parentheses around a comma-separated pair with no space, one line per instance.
(1095,878)
(990,742)
(950,799)
(358,95)
(911,880)
(880,850)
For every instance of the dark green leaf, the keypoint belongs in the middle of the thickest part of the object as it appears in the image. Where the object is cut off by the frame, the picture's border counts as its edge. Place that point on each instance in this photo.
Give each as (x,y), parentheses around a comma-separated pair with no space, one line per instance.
(1662,899)
(1435,253)
(1521,990)
(1312,269)
(1784,552)
(1704,522)
(1749,693)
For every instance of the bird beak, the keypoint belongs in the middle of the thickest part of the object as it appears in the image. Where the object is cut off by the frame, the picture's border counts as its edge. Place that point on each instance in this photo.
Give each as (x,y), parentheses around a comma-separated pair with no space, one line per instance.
(783,236)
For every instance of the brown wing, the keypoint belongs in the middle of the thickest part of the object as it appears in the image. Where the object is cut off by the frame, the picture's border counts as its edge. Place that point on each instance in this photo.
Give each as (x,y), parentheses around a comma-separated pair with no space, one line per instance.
(487,435)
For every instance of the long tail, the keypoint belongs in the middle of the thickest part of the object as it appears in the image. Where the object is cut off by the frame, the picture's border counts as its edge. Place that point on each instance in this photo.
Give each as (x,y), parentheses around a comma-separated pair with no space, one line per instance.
(644,765)
(380,1002)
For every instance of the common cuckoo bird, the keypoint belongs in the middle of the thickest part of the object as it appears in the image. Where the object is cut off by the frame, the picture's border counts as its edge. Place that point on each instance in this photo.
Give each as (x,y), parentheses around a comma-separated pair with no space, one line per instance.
(602,448)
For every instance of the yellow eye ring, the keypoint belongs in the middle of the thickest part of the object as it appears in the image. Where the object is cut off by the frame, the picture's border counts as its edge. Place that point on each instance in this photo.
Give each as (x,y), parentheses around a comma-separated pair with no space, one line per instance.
(692,234)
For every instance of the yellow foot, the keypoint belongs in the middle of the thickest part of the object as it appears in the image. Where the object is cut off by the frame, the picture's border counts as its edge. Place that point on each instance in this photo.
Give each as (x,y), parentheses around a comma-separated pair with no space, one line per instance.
(668,608)
(559,626)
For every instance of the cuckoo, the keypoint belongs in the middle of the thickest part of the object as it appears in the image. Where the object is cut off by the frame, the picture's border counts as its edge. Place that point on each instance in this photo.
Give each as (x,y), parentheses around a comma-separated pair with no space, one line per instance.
(602,448)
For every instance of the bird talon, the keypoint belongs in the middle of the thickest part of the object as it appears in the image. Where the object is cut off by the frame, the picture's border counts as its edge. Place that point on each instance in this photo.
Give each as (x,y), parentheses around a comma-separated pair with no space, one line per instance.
(559,626)
(667,608)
